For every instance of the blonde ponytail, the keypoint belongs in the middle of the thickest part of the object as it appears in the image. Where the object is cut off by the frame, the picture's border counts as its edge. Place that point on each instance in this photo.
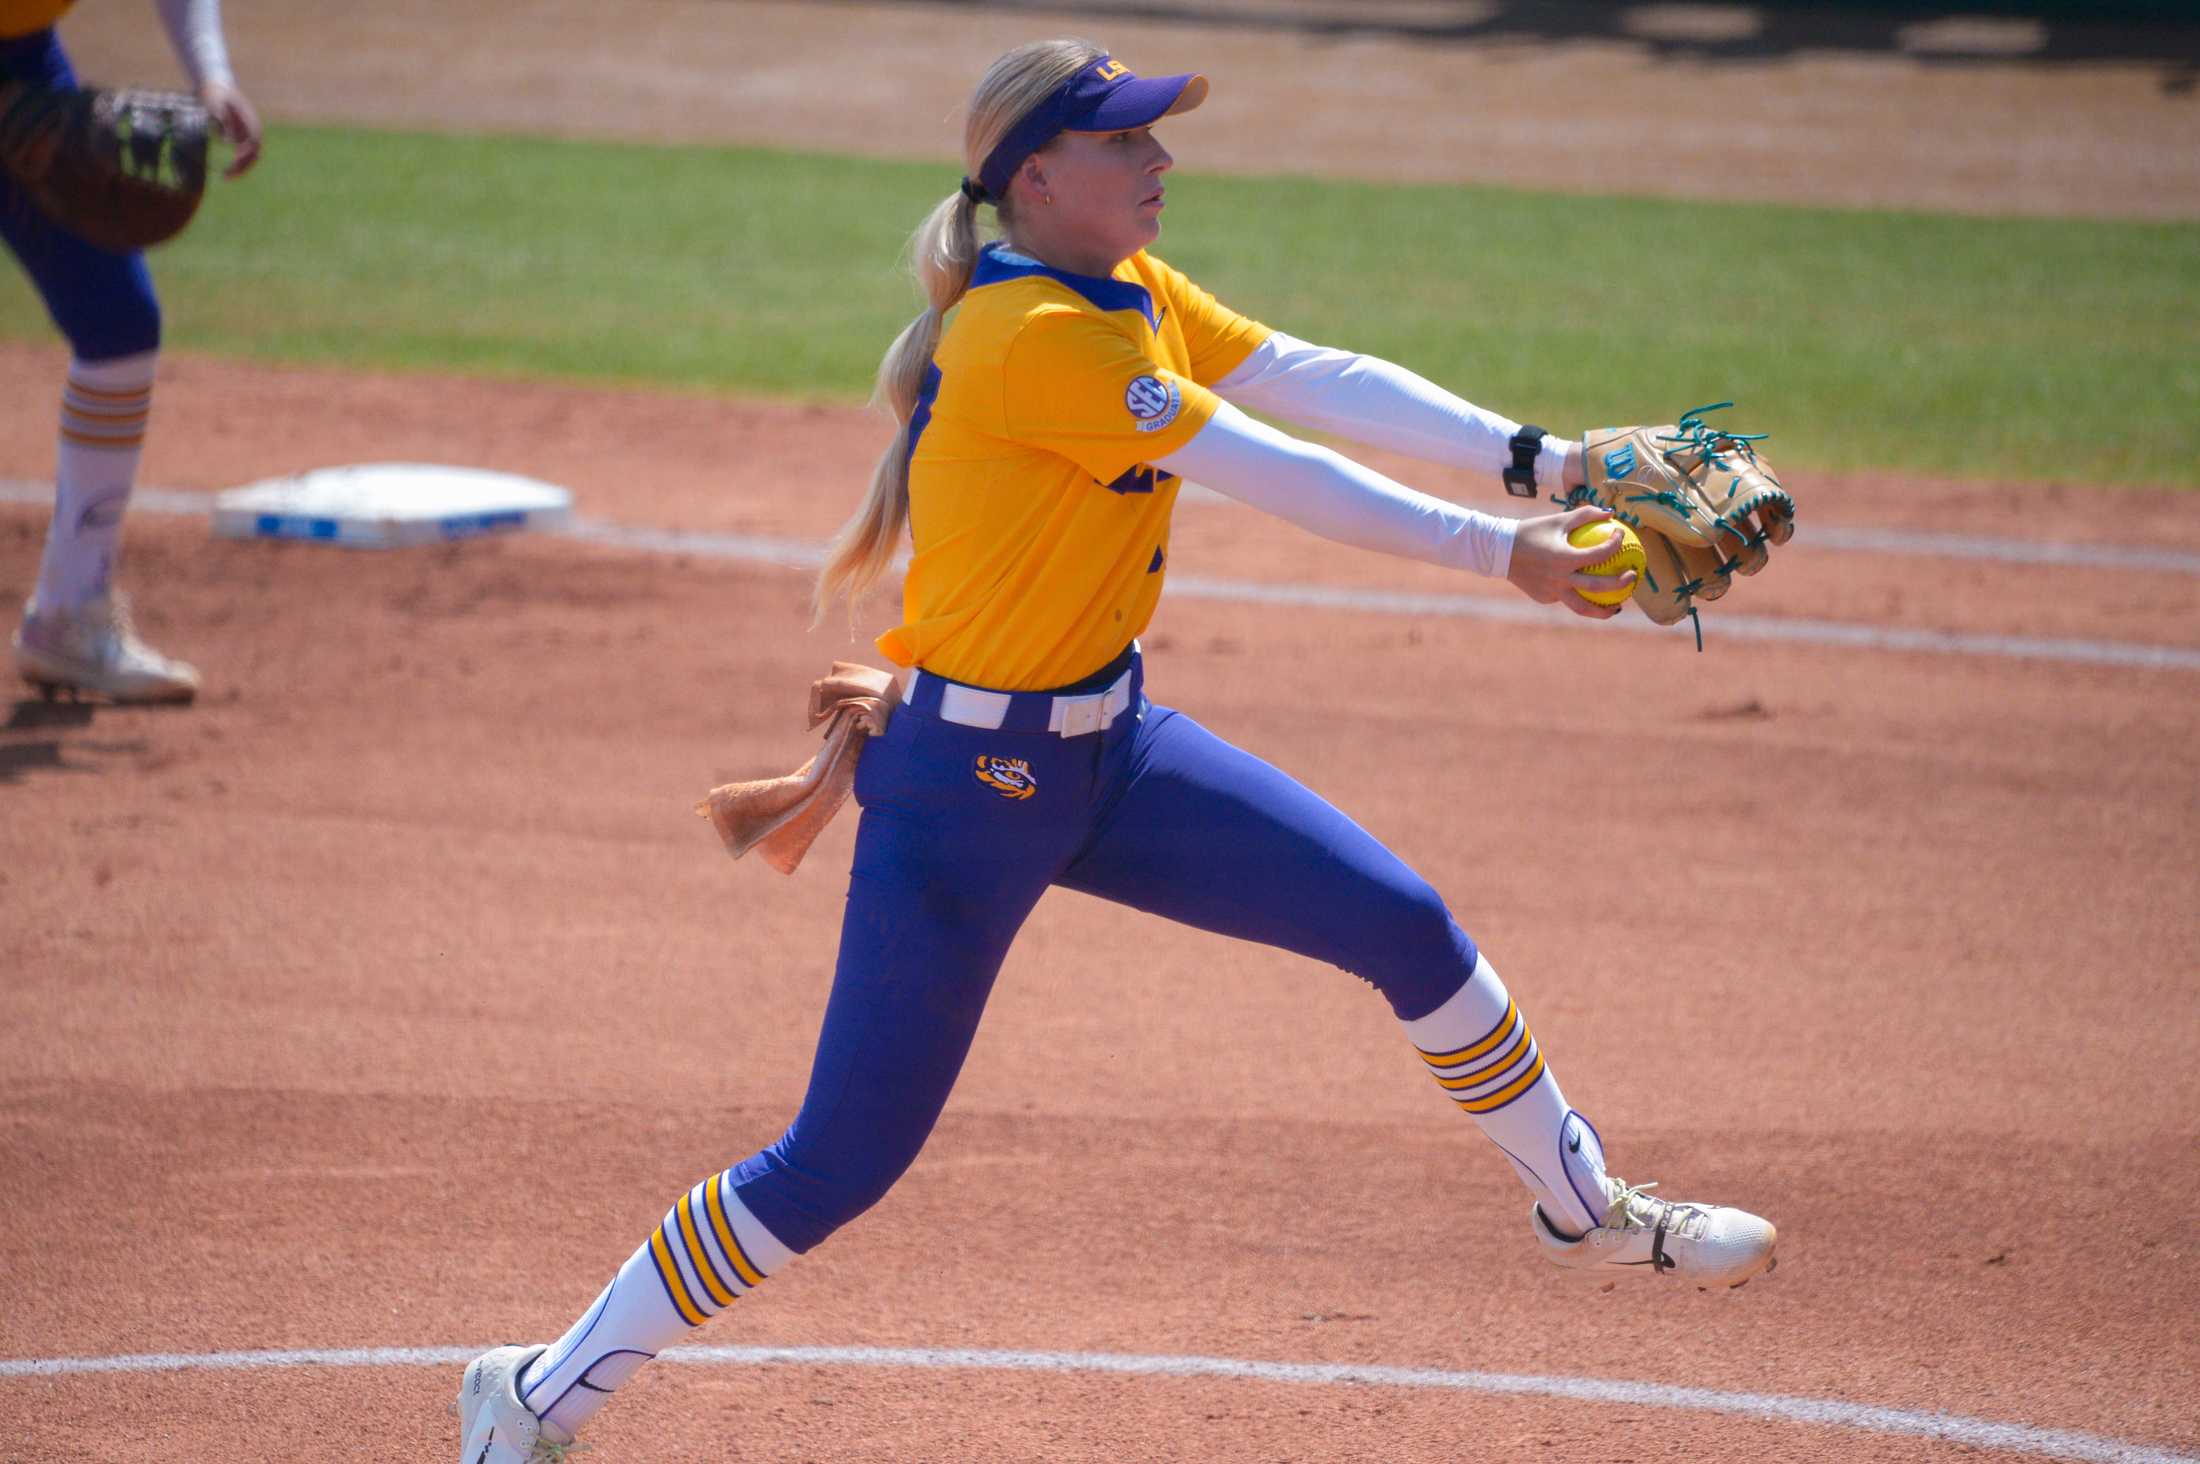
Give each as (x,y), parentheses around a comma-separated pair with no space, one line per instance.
(943,252)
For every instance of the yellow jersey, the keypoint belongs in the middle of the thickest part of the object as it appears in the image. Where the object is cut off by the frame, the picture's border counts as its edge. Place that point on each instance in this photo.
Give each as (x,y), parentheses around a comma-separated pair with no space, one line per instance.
(1041,532)
(27,17)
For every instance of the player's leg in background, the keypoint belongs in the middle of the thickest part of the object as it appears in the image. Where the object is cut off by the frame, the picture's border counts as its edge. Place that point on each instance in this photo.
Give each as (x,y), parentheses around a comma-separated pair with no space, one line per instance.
(76,632)
(1214,837)
(945,873)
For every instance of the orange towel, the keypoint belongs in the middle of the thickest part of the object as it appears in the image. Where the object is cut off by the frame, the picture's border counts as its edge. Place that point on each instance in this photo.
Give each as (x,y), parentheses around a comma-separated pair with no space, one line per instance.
(781,817)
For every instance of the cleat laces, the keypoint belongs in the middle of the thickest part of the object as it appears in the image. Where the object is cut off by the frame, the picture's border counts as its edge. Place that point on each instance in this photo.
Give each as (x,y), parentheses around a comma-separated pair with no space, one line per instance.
(1633,1207)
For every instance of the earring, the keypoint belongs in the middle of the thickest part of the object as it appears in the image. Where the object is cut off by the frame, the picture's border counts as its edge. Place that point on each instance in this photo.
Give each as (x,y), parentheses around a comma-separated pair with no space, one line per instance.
(1049,200)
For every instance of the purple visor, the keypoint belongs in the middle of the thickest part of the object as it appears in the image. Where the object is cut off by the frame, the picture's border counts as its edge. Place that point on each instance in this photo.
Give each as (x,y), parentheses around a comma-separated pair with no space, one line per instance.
(1102,97)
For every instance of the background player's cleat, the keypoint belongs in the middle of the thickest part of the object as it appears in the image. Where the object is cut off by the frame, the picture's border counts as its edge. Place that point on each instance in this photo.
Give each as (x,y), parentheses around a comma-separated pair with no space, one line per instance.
(1710,1245)
(95,649)
(494,1427)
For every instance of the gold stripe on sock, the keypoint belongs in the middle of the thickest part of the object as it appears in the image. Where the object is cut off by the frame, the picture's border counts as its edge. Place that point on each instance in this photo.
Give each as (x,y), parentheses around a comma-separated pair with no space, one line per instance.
(703,1266)
(1482,1075)
(109,394)
(1477,1047)
(669,1270)
(124,412)
(116,443)
(1507,1093)
(726,1238)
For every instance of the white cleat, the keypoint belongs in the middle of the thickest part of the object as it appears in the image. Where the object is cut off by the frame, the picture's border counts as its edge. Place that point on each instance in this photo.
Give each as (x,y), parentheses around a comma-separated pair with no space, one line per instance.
(1710,1245)
(94,649)
(494,1427)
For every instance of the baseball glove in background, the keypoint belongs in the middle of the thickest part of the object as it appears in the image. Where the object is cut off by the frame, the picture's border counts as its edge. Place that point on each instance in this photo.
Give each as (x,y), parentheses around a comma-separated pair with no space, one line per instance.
(123,169)
(1705,504)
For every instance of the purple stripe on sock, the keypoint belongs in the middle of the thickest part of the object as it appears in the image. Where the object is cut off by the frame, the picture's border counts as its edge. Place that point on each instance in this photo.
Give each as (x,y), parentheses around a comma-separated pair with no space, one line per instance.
(1509,1102)
(544,1366)
(1512,1012)
(582,1381)
(676,1244)
(699,1207)
(1505,1063)
(1598,1206)
(730,1200)
(1524,1164)
(671,1298)
(1515,1064)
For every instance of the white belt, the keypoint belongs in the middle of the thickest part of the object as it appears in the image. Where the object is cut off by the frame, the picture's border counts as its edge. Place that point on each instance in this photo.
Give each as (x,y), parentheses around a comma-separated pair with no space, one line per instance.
(1074,716)
(1068,716)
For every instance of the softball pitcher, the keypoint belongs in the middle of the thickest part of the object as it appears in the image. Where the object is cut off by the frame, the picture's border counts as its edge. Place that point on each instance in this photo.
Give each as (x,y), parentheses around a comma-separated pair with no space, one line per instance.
(76,631)
(1046,428)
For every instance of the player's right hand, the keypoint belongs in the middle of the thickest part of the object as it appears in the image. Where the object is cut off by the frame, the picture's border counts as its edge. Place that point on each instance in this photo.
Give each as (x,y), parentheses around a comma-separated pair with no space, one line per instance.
(236,121)
(1547,569)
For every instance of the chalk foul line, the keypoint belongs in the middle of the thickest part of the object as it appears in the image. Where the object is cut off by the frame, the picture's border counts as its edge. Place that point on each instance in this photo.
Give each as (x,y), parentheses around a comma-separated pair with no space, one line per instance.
(1980,1433)
(802,554)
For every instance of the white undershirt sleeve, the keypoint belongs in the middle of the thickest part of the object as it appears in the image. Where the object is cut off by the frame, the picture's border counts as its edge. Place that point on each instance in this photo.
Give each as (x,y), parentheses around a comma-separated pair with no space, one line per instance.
(1328,494)
(195,31)
(1367,399)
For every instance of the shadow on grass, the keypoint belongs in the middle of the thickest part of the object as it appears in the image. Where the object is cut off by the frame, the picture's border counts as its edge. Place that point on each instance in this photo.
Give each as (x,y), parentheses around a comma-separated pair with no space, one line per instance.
(2051,32)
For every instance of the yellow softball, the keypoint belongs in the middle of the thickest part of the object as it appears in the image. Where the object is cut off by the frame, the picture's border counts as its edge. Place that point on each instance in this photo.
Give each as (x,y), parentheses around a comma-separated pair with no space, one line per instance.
(1626,554)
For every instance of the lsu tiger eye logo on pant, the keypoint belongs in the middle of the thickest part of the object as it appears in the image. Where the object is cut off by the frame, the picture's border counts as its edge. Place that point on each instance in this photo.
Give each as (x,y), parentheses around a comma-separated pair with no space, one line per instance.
(1008,776)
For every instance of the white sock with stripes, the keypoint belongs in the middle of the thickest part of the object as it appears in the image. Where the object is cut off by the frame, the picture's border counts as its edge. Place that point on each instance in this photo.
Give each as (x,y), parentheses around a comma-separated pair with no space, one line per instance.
(1482,1054)
(707,1253)
(104,408)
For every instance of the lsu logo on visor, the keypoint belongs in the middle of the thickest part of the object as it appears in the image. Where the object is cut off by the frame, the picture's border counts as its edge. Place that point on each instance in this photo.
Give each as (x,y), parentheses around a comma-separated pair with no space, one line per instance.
(1008,776)
(1153,402)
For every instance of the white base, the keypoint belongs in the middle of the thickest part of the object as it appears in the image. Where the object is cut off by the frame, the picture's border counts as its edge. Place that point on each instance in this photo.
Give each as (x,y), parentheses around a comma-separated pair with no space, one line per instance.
(389,505)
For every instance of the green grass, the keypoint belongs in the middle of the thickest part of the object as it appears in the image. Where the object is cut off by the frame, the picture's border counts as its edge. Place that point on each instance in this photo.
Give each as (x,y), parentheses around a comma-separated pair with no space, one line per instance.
(2066,350)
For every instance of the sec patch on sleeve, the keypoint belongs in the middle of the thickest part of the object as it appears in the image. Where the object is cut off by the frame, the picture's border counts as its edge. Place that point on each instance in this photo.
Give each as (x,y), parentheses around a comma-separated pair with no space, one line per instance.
(1154,402)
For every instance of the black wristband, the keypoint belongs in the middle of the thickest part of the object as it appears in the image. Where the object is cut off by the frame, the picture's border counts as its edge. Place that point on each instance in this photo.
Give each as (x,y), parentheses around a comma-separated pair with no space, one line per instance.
(1519,479)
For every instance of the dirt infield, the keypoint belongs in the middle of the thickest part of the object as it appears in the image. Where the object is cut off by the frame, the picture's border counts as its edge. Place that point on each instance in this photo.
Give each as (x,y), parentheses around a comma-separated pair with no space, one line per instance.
(386,997)
(380,1000)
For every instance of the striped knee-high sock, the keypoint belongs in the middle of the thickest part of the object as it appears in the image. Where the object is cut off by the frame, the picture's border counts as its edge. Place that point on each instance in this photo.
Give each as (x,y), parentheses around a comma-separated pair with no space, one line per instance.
(104,409)
(1479,1048)
(706,1254)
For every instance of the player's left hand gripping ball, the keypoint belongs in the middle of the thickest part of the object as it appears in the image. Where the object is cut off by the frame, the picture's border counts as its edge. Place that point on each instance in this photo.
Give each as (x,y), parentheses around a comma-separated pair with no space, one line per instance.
(1626,554)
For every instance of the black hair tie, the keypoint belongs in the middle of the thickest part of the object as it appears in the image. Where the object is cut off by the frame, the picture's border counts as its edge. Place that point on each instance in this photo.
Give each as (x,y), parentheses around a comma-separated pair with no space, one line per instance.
(974,191)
